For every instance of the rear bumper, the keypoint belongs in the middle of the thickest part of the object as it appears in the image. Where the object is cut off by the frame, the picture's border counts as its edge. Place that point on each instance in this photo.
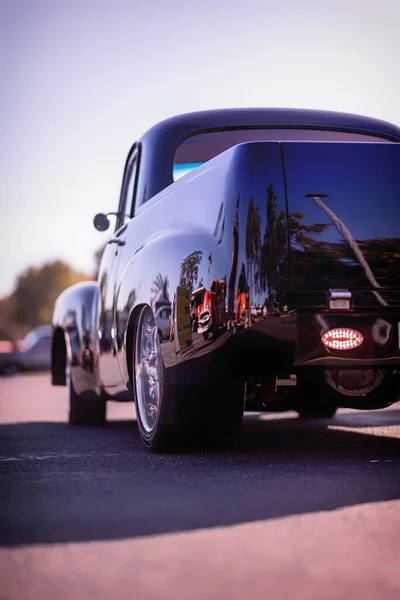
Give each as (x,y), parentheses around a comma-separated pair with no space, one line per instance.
(380,347)
(290,344)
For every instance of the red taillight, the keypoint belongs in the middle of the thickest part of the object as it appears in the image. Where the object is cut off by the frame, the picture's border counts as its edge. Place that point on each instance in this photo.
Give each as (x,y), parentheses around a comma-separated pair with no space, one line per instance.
(342,339)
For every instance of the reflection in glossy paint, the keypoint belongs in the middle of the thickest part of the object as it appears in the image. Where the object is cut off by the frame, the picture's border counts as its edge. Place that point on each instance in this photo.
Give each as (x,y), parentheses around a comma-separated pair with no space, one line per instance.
(161,305)
(266,254)
(207,309)
(253,244)
(341,227)
(234,264)
(353,238)
(220,224)
(189,271)
(273,266)
(159,292)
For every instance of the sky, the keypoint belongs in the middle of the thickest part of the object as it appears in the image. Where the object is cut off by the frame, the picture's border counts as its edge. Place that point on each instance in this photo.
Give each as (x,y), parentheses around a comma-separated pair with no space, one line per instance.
(82,80)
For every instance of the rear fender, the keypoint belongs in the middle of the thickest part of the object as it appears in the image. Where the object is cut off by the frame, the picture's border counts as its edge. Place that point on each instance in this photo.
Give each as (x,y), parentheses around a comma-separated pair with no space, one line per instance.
(181,258)
(76,323)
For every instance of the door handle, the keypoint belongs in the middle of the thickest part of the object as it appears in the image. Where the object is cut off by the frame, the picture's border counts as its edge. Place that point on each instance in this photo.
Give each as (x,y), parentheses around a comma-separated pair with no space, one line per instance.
(116,241)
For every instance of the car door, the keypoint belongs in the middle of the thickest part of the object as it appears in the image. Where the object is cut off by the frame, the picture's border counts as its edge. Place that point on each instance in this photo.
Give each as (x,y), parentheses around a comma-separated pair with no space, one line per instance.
(108,276)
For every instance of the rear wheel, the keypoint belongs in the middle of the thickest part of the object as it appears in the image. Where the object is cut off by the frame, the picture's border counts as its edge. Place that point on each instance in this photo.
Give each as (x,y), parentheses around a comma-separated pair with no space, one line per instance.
(171,416)
(84,410)
(10,368)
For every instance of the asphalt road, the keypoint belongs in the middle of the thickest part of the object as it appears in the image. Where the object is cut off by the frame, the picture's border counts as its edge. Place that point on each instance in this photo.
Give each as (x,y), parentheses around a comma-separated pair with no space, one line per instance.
(298,510)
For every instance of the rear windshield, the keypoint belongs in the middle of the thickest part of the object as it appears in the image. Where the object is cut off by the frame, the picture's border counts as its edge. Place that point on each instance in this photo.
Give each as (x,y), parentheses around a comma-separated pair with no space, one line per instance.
(198,149)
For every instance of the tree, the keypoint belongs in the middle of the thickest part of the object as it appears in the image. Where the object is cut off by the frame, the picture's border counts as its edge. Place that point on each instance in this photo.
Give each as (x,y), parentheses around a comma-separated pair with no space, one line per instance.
(8,329)
(37,289)
(190,270)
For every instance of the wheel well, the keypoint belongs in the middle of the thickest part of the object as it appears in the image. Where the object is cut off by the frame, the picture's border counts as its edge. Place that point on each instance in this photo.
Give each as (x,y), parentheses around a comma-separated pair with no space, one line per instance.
(58,357)
(130,339)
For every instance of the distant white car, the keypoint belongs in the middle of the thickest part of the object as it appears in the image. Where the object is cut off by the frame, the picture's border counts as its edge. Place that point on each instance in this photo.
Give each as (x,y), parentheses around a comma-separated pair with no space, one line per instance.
(33,352)
(163,322)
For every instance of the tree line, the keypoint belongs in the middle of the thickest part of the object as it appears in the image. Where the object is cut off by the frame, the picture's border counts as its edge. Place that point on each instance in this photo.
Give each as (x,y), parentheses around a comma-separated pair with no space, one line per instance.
(32,300)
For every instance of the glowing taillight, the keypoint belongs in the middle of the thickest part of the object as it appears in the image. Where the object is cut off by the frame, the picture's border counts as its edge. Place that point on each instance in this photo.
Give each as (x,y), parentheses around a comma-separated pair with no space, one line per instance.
(342,339)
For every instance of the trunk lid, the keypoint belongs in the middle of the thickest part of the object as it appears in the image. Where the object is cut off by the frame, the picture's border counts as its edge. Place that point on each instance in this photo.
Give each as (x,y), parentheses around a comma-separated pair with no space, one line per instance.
(343,215)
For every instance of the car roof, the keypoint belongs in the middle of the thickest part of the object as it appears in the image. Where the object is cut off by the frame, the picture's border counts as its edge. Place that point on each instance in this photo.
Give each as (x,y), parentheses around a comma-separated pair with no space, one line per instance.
(190,123)
(43,330)
(159,144)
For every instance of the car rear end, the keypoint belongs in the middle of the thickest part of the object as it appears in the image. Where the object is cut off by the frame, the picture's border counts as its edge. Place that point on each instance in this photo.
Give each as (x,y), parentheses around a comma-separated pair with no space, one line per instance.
(343,202)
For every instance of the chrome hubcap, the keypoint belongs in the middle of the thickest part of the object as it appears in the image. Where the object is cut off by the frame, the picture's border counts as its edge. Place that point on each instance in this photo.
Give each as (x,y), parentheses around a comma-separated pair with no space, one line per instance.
(148,370)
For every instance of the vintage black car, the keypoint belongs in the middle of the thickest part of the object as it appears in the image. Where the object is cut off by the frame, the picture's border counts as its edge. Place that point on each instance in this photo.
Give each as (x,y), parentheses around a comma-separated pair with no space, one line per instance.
(296,211)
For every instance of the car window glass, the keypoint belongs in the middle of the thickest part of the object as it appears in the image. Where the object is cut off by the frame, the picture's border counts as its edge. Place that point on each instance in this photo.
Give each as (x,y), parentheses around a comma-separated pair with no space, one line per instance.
(199,148)
(30,339)
(128,189)
(33,337)
(131,187)
(42,344)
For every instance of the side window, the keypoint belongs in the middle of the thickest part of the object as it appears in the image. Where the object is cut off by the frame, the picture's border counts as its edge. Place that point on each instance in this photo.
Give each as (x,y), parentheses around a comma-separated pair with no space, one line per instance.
(126,203)
(42,344)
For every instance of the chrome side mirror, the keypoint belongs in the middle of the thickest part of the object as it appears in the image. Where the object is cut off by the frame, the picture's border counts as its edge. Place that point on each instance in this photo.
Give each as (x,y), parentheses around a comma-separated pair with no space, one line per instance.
(101,222)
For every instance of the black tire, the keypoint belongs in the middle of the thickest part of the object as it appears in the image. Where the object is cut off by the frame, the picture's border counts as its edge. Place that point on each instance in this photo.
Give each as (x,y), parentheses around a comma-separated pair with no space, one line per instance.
(84,410)
(11,368)
(172,417)
(206,335)
(196,417)
(317,412)
(160,336)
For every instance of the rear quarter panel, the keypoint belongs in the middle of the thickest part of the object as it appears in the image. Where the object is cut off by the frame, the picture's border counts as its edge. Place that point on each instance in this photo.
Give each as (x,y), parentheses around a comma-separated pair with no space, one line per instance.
(76,313)
(211,224)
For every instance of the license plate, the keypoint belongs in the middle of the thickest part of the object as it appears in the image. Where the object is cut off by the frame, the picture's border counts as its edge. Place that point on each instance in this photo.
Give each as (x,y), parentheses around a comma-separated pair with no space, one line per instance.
(339,304)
